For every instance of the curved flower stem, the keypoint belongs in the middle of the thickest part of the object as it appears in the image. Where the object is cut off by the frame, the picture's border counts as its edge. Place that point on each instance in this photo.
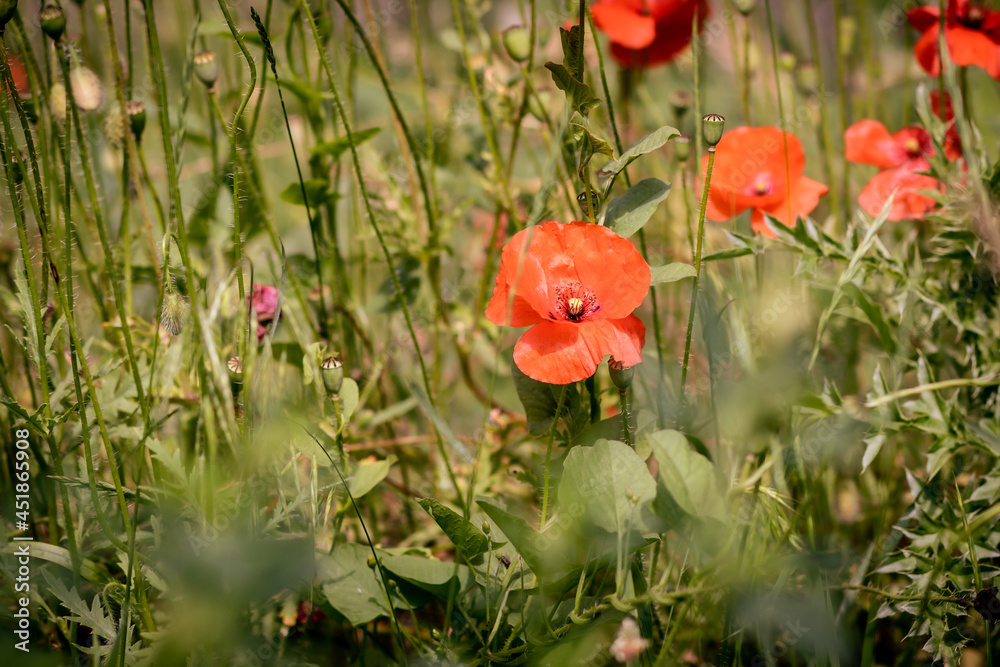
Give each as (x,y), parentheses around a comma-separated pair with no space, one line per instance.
(548,456)
(626,426)
(697,272)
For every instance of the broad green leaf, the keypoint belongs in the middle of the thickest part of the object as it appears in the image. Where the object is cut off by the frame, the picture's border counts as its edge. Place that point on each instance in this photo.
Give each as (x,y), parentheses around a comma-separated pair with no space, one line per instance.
(572,40)
(671,273)
(350,586)
(434,576)
(468,540)
(727,254)
(367,475)
(540,401)
(688,477)
(627,214)
(579,95)
(609,481)
(316,190)
(349,397)
(540,553)
(647,144)
(338,146)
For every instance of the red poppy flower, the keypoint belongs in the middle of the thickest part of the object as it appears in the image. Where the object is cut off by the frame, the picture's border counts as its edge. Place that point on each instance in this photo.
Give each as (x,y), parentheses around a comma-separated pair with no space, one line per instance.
(576,286)
(901,155)
(645,33)
(972,33)
(751,171)
(20,75)
(264,302)
(945,111)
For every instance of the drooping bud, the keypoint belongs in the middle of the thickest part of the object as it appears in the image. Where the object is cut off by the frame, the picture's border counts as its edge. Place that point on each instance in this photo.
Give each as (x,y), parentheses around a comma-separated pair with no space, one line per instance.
(745,7)
(136,112)
(517,42)
(206,68)
(621,376)
(333,374)
(680,100)
(53,21)
(173,315)
(682,147)
(712,127)
(7,10)
(87,89)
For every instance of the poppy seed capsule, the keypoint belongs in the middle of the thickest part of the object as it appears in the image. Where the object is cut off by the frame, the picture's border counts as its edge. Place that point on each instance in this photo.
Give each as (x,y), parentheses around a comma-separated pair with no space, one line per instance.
(517,42)
(712,127)
(681,101)
(206,68)
(807,77)
(235,366)
(53,21)
(333,374)
(682,147)
(136,112)
(7,9)
(621,377)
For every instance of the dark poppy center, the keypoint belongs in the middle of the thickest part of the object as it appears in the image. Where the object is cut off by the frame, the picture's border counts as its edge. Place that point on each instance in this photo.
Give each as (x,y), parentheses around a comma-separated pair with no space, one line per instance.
(974,17)
(574,303)
(912,147)
(762,185)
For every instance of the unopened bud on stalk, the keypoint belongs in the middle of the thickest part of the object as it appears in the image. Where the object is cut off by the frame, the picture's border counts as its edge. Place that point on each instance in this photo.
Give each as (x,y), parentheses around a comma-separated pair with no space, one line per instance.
(206,68)
(173,315)
(57,101)
(681,101)
(787,61)
(87,89)
(235,366)
(53,21)
(712,127)
(7,10)
(621,376)
(517,42)
(333,374)
(136,112)
(372,562)
(745,7)
(807,77)
(486,527)
(682,148)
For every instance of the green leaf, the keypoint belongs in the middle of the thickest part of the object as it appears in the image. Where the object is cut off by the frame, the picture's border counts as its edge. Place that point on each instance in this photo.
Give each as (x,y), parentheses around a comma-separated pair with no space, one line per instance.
(468,540)
(727,254)
(316,190)
(609,481)
(672,273)
(90,570)
(647,144)
(579,95)
(350,586)
(627,214)
(541,554)
(434,576)
(572,40)
(688,477)
(367,475)
(349,397)
(596,144)
(540,401)
(874,315)
(338,146)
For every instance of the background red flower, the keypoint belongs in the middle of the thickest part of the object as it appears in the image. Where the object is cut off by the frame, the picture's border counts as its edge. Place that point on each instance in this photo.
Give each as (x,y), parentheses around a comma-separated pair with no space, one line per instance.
(971,31)
(645,33)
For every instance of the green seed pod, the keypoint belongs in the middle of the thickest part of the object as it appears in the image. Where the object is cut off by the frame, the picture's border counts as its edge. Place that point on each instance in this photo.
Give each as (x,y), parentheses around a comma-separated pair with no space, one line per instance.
(517,42)
(372,562)
(235,366)
(621,376)
(333,374)
(206,68)
(712,127)
(136,112)
(7,10)
(53,21)
(682,148)
(787,61)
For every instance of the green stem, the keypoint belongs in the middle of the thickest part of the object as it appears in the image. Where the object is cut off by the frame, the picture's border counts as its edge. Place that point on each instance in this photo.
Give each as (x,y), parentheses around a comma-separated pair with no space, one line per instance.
(548,457)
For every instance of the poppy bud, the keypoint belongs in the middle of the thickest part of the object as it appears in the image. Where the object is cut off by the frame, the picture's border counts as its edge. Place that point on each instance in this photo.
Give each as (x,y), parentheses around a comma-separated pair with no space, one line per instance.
(235,365)
(682,148)
(87,89)
(621,377)
(7,9)
(712,127)
(333,374)
(371,561)
(173,315)
(787,61)
(517,42)
(486,527)
(807,77)
(57,101)
(680,100)
(53,21)
(136,112)
(18,172)
(206,68)
(745,7)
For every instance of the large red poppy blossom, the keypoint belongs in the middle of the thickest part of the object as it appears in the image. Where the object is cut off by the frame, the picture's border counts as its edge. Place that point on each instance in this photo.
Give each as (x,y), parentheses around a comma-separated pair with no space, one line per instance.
(576,286)
(644,33)
(971,31)
(751,171)
(901,156)
(264,302)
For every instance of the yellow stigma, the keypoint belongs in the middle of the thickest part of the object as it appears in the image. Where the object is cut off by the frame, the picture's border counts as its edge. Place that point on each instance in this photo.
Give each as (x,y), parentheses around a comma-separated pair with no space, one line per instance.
(762,186)
(575,306)
(912,147)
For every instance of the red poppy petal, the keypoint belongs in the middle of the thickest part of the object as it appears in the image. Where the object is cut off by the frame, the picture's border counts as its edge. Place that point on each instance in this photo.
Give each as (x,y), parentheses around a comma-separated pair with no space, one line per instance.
(759,225)
(608,265)
(923,18)
(972,47)
(926,50)
(722,205)
(902,184)
(802,199)
(561,353)
(747,154)
(504,312)
(624,25)
(534,264)
(868,142)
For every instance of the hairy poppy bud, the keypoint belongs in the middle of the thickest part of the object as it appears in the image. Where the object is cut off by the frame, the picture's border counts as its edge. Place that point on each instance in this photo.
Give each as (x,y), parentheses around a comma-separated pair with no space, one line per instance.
(30,109)
(681,101)
(57,101)
(517,42)
(712,127)
(173,315)
(7,9)
(136,112)
(621,377)
(745,7)
(333,374)
(206,68)
(87,89)
(682,147)
(53,21)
